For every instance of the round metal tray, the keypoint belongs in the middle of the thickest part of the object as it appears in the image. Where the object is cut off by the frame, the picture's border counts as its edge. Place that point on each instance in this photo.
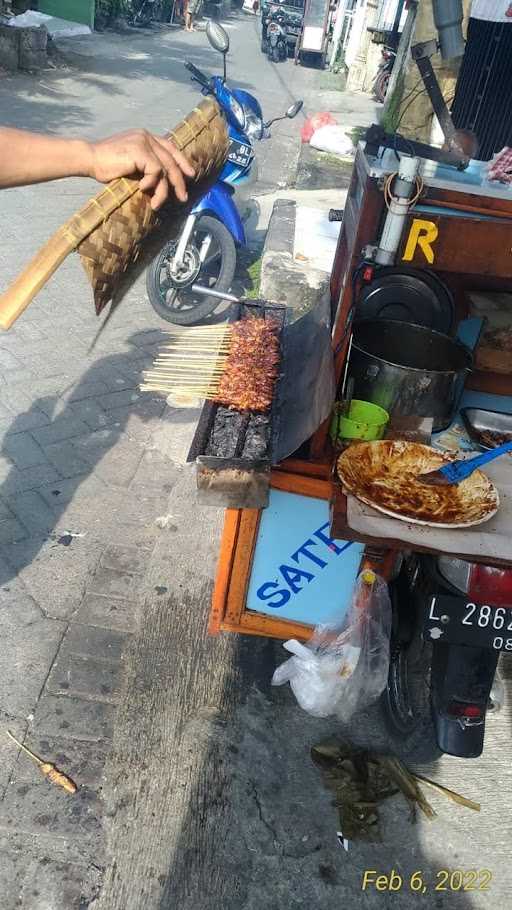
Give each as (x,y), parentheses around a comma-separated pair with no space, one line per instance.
(409,295)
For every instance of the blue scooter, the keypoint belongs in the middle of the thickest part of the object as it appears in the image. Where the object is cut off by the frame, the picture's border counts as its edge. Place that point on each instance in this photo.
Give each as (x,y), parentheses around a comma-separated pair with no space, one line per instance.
(204,256)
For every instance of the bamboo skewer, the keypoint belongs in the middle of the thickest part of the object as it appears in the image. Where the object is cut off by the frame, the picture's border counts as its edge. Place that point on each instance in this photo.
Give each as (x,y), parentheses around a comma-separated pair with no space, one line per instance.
(186,384)
(184,380)
(183,367)
(169,349)
(201,350)
(207,333)
(238,368)
(207,365)
(47,768)
(191,367)
(180,378)
(198,343)
(203,336)
(161,386)
(190,362)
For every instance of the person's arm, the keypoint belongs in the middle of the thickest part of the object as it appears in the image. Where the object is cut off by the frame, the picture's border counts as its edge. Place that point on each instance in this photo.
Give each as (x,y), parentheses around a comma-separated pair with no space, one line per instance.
(34,158)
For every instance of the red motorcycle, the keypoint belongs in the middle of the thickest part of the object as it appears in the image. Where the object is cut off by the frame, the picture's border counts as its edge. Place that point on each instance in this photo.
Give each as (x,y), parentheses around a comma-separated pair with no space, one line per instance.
(381,82)
(451,620)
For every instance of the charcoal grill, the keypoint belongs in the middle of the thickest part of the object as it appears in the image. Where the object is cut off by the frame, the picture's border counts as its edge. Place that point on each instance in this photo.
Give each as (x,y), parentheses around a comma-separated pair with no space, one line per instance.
(233,450)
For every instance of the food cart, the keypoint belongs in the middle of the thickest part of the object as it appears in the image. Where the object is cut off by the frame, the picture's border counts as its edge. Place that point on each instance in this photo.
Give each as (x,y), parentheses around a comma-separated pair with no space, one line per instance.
(293,564)
(314,40)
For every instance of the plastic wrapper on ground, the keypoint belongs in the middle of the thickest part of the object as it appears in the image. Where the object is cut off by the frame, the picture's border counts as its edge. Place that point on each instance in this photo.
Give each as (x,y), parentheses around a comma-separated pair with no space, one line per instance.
(343,669)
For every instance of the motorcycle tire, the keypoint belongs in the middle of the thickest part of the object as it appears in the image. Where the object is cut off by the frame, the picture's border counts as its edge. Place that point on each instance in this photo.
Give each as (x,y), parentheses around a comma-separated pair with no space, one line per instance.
(207,305)
(381,86)
(275,55)
(405,702)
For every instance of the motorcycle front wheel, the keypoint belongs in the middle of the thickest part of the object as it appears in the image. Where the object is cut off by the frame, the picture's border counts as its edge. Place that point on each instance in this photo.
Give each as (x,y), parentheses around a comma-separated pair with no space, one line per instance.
(381,86)
(172,296)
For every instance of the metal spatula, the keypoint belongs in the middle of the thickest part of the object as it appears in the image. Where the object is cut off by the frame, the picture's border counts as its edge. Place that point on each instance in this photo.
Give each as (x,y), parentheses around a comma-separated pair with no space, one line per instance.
(456,471)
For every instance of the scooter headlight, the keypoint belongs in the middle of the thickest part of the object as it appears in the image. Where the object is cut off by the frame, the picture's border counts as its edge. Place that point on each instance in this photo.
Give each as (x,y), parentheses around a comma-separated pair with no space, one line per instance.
(237,112)
(253,125)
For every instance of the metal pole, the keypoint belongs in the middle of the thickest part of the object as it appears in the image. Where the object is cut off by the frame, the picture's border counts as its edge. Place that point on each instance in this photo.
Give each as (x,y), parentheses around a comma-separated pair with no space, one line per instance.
(398,17)
(403,188)
(402,55)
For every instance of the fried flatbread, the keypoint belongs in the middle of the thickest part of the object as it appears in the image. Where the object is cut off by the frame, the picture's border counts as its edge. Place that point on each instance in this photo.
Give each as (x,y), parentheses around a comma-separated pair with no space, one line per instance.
(384,475)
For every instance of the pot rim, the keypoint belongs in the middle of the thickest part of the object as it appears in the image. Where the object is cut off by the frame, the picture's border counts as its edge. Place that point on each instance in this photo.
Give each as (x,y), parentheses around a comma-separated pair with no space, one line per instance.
(424,330)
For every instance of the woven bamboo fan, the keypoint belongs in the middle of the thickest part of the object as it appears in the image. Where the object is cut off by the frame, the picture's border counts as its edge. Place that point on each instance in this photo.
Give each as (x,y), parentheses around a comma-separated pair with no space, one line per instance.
(109,230)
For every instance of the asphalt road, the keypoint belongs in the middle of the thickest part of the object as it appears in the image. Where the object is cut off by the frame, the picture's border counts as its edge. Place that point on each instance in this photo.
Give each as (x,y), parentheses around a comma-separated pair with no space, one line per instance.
(138,79)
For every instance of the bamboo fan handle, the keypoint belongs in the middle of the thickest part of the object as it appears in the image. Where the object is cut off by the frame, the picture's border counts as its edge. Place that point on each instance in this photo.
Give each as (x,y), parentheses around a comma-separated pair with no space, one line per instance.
(25,287)
(23,290)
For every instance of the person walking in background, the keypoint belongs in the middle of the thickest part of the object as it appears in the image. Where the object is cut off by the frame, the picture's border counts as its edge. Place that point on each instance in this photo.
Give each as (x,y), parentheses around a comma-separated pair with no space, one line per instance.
(192,8)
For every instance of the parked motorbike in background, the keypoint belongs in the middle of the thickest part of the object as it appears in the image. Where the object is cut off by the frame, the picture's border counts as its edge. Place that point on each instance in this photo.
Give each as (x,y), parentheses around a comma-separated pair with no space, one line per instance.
(452,618)
(381,82)
(143,12)
(204,255)
(291,14)
(277,45)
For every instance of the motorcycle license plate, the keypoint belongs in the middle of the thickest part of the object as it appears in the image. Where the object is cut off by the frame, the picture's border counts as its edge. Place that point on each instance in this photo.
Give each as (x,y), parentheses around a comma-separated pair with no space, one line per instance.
(457,621)
(239,153)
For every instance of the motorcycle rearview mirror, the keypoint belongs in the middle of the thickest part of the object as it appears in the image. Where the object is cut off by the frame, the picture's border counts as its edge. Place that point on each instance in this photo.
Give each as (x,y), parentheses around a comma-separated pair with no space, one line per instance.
(219,40)
(217,36)
(294,109)
(290,114)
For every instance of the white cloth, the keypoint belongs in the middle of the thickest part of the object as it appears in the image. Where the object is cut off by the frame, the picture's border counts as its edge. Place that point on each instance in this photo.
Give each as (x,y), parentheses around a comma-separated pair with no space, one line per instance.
(489,540)
(492,10)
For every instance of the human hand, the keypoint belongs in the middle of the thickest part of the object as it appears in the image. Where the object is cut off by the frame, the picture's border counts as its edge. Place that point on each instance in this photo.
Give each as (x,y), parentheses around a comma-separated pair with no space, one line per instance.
(138,152)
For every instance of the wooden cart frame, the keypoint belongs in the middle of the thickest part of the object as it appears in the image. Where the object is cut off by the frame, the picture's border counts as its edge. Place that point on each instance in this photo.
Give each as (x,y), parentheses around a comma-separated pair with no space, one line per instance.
(239,537)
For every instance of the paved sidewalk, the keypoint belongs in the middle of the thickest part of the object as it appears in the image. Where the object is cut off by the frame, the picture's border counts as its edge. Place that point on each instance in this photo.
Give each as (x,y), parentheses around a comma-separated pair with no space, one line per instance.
(87,465)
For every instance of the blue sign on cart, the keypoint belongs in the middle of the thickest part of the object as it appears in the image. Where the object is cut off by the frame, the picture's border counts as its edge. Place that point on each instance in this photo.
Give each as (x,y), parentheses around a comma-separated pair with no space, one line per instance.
(299,572)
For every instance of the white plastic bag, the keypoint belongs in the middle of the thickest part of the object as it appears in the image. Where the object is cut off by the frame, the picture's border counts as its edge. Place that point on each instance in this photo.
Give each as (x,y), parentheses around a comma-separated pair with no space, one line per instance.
(343,669)
(333,139)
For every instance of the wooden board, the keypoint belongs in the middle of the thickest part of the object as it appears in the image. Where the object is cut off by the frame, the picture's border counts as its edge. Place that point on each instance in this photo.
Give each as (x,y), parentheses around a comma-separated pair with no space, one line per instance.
(228,610)
(470,246)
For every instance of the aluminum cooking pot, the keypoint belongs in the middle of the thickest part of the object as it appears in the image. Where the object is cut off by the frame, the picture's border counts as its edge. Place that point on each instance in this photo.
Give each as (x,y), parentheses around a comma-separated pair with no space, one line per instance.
(409,370)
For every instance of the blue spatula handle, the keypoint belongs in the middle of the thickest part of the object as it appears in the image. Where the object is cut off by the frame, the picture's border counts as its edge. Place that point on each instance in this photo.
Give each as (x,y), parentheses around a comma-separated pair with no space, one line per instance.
(459,470)
(479,460)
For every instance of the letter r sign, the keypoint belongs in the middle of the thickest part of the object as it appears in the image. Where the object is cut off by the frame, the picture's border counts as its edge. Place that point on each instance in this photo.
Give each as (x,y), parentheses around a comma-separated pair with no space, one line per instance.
(422,234)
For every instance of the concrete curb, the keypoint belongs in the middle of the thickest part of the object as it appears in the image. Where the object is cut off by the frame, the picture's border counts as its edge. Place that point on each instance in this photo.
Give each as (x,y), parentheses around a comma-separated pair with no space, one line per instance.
(281,229)
(284,280)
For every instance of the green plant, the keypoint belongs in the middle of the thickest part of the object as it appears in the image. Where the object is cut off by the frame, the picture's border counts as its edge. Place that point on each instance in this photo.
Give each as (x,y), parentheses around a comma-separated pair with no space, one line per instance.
(254,274)
(391,113)
(107,10)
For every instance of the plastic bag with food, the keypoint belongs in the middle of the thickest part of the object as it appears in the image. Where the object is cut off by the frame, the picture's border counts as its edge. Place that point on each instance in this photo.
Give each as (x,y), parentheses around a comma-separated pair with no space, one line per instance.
(343,669)
(314,122)
(332,139)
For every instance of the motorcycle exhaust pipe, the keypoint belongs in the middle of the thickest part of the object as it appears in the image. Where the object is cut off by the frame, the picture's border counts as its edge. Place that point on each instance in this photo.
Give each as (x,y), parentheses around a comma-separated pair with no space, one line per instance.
(211,292)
